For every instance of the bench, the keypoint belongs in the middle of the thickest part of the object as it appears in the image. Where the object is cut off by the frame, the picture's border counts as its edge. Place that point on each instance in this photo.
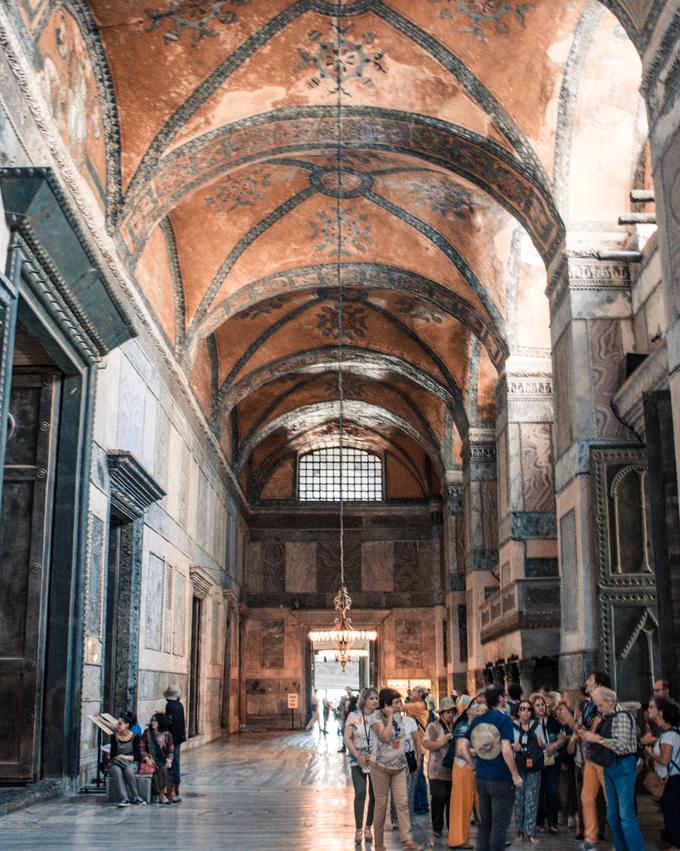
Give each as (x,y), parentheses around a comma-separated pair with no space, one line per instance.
(144,786)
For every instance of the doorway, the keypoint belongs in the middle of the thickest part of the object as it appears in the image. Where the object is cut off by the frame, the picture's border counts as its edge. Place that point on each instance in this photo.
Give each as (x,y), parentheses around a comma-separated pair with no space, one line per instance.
(327,677)
(26,524)
(195,666)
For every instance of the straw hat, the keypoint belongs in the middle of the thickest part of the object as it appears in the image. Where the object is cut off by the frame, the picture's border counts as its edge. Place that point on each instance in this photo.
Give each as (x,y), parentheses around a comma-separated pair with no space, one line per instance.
(446,704)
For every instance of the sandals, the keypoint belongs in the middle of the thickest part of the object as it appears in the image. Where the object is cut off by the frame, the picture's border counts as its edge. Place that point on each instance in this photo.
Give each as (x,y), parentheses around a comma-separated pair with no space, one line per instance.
(368,834)
(358,836)
(412,846)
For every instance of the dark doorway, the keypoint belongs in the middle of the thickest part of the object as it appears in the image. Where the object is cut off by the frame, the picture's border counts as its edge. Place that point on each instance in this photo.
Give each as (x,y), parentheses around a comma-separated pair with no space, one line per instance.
(26,524)
(195,662)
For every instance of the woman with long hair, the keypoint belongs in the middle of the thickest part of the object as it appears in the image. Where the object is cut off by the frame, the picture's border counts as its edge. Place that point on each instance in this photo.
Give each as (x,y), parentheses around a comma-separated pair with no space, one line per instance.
(554,739)
(664,756)
(389,767)
(158,750)
(463,788)
(358,743)
(125,757)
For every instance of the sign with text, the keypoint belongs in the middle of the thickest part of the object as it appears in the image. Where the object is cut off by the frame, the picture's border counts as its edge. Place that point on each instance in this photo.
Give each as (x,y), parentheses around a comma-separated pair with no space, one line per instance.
(292,701)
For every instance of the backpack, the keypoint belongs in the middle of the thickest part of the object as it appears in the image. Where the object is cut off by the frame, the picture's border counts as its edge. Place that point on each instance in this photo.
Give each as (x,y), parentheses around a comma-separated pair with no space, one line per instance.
(530,758)
(599,754)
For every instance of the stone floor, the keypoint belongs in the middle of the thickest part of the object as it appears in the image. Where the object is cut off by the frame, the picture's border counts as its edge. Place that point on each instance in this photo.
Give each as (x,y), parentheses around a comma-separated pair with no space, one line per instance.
(254,792)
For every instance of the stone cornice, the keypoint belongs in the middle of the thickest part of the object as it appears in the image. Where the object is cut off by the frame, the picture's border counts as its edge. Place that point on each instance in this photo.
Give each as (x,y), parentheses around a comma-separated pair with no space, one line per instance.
(201,582)
(628,401)
(133,490)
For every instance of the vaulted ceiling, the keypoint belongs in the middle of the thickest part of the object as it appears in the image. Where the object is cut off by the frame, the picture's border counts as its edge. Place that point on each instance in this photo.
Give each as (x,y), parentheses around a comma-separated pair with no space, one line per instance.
(452,142)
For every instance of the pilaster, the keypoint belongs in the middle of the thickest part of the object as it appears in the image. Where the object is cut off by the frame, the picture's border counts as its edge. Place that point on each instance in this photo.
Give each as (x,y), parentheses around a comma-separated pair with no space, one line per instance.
(591,326)
(481,535)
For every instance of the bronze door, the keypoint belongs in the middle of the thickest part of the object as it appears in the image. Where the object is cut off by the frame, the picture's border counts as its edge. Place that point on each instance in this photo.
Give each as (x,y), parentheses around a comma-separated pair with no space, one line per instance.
(25,556)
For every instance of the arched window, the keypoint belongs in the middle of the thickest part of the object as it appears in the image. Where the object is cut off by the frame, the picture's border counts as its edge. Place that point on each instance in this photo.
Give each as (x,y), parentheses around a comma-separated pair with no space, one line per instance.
(319,475)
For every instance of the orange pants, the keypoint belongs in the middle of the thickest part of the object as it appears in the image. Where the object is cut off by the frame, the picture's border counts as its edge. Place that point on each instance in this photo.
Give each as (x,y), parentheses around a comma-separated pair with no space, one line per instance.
(593,780)
(463,791)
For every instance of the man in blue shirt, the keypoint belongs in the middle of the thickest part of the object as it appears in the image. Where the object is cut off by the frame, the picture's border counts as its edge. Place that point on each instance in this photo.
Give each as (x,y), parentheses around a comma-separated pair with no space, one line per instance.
(489,740)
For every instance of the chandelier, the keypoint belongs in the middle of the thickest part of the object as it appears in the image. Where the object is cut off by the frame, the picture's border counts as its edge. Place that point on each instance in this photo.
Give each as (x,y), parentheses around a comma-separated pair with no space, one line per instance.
(343,636)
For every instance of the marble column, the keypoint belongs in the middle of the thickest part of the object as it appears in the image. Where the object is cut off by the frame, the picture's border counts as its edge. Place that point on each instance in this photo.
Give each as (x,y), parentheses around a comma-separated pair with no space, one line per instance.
(481,538)
(591,328)
(527,533)
(454,557)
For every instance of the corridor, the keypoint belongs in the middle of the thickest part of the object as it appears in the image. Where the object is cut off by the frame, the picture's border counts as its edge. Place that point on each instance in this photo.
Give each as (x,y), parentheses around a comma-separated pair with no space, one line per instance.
(257,791)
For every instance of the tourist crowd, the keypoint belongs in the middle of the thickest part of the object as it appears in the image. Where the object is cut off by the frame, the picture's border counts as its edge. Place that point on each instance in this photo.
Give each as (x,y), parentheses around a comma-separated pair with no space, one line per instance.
(154,751)
(550,759)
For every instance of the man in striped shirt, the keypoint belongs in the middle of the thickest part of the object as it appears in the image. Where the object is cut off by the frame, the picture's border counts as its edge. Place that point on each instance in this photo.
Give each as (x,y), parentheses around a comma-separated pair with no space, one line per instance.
(617,733)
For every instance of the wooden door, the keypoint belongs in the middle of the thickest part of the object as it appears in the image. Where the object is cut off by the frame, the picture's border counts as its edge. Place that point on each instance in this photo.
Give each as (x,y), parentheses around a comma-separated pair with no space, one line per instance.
(25,531)
(195,669)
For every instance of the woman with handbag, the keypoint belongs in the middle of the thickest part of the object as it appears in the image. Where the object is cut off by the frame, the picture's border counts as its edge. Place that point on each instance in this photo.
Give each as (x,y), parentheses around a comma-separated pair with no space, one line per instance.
(125,756)
(358,743)
(158,751)
(389,767)
(664,758)
(436,740)
(528,748)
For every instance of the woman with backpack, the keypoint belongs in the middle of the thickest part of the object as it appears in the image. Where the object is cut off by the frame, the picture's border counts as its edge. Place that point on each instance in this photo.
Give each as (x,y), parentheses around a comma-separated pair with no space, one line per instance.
(528,748)
(664,756)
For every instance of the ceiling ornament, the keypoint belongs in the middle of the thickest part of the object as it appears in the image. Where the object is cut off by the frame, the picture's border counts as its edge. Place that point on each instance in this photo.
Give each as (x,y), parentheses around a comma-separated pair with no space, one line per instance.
(196,16)
(240,191)
(339,58)
(347,226)
(482,13)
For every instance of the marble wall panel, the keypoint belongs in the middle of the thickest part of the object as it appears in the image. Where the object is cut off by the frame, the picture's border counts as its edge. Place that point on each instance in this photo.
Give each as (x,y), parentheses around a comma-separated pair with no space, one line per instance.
(168,606)
(569,566)
(96,578)
(272,636)
(274,566)
(377,566)
(301,558)
(606,353)
(254,550)
(328,564)
(562,373)
(537,466)
(130,431)
(406,568)
(409,643)
(489,514)
(179,619)
(153,627)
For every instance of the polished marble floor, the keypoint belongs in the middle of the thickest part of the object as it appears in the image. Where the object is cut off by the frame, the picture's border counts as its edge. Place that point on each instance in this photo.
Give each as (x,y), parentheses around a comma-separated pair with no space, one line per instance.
(254,792)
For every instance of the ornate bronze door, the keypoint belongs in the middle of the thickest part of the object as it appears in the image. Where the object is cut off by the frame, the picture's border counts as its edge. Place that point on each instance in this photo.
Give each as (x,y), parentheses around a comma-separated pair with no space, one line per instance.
(25,533)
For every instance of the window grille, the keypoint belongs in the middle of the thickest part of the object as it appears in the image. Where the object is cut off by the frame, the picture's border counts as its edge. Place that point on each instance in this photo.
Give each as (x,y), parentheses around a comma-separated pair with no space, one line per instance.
(319,476)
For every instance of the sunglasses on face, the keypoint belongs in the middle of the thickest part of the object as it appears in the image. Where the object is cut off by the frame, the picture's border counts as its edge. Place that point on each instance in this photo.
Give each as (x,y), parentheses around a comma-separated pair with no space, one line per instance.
(525,709)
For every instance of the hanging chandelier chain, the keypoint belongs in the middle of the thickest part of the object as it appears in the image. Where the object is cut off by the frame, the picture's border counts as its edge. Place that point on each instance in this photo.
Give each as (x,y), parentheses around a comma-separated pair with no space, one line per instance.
(338,268)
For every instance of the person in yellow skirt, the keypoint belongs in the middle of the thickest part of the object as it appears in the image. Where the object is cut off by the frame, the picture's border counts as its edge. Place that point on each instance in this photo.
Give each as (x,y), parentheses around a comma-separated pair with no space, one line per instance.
(463,788)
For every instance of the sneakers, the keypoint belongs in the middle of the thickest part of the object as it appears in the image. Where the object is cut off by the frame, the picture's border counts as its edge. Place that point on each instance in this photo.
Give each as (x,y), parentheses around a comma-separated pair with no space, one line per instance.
(139,801)
(124,803)
(587,846)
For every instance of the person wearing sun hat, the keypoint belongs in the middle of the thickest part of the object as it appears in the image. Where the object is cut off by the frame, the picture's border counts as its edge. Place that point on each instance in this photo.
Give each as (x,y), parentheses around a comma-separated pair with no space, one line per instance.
(436,740)
(175,712)
(490,739)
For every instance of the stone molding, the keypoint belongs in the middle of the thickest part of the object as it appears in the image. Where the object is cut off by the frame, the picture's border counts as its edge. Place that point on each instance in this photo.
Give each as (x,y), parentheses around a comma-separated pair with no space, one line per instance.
(133,490)
(201,582)
(586,272)
(628,401)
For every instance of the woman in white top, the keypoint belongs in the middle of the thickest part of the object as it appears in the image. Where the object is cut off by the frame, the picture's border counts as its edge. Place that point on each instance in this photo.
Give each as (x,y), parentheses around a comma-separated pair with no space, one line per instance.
(389,767)
(665,756)
(358,744)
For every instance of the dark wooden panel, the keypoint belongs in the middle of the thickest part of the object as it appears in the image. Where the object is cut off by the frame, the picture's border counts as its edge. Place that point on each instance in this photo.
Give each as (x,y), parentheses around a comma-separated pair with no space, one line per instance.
(24,568)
